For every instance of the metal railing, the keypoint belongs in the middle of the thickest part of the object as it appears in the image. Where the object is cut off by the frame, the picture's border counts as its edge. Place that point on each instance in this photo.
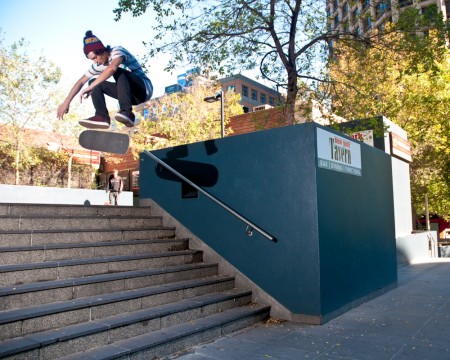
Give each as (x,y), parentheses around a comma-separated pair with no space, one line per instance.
(250,226)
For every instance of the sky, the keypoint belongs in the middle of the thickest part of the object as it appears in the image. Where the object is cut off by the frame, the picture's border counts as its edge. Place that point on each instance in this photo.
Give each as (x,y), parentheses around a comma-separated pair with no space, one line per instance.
(56,28)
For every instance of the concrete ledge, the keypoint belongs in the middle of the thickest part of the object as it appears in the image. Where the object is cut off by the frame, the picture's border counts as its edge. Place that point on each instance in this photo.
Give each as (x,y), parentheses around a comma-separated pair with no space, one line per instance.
(52,195)
(415,247)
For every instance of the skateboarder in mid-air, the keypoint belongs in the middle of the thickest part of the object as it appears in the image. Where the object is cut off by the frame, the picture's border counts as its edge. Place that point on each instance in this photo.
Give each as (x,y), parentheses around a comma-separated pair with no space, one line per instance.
(131,86)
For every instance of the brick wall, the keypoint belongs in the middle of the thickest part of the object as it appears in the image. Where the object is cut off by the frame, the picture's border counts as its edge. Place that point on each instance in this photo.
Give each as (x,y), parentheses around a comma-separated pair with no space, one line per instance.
(258,120)
(123,162)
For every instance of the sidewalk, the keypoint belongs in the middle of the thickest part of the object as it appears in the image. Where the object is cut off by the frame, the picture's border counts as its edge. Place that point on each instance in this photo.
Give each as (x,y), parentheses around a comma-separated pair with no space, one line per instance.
(409,322)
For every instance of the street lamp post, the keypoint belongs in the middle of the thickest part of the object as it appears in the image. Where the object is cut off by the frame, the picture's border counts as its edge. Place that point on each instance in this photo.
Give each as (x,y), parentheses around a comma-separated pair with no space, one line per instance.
(217,97)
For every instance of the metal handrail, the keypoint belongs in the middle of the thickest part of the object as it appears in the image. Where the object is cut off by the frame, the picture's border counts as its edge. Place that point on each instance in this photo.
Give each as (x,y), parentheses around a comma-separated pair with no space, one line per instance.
(250,226)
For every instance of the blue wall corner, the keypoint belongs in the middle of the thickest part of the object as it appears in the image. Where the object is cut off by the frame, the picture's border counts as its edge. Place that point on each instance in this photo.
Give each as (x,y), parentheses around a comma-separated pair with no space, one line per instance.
(356,230)
(272,179)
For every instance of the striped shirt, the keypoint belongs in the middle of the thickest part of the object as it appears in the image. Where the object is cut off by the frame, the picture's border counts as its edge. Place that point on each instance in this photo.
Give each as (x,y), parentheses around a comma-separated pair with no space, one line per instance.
(129,63)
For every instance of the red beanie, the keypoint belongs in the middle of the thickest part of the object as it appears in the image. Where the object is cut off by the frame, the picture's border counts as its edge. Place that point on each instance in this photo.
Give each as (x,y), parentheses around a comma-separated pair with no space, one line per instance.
(91,43)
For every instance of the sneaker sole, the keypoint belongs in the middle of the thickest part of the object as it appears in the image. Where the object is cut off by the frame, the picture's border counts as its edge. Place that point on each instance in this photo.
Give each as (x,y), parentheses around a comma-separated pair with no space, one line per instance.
(93,125)
(124,120)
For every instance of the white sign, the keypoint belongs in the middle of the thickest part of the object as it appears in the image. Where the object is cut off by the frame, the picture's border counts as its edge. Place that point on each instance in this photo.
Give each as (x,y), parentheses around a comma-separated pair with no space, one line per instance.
(338,153)
(365,136)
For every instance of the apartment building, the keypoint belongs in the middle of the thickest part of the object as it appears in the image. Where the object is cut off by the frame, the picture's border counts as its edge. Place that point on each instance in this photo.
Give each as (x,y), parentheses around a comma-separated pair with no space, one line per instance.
(253,94)
(362,16)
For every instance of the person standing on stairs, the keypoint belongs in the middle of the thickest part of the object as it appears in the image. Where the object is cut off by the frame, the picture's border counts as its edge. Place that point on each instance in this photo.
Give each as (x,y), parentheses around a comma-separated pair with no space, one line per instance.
(114,188)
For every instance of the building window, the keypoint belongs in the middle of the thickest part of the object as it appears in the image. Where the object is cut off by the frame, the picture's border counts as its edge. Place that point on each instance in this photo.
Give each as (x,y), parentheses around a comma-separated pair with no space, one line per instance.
(244,90)
(403,3)
(429,12)
(355,15)
(336,22)
(263,98)
(254,95)
(271,101)
(232,88)
(382,7)
(369,22)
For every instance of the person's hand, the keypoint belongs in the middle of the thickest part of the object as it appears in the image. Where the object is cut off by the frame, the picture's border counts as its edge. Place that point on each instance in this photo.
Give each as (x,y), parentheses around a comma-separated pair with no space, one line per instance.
(62,110)
(84,94)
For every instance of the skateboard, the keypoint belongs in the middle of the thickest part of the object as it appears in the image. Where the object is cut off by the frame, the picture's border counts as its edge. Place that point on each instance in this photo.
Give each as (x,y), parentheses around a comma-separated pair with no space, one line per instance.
(105,141)
(111,141)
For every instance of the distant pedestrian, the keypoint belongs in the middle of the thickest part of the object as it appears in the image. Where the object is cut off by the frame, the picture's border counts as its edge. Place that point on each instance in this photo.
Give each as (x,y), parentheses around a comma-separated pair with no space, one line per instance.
(114,188)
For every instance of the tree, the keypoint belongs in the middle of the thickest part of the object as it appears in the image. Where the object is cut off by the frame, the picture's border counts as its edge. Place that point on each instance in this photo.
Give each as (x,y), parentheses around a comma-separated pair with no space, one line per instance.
(69,126)
(184,117)
(26,91)
(288,40)
(285,39)
(413,92)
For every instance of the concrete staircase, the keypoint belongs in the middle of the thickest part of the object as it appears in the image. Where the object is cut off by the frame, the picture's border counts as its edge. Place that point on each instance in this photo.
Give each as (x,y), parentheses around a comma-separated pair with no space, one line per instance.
(100,282)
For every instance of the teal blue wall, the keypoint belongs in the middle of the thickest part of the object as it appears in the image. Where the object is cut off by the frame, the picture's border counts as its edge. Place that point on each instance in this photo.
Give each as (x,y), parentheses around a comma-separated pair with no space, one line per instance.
(272,179)
(357,231)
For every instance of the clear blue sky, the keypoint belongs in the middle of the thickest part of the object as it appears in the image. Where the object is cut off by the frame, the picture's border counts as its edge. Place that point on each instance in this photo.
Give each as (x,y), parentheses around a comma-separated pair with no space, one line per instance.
(55,29)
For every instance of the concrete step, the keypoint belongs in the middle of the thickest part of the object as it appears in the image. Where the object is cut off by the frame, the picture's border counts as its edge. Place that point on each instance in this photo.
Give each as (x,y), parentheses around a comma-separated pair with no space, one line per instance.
(34,222)
(29,320)
(178,337)
(69,236)
(54,344)
(21,296)
(18,274)
(104,282)
(53,252)
(71,210)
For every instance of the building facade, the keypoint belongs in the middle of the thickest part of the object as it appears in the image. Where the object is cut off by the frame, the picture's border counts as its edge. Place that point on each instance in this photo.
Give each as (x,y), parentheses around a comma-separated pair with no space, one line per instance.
(362,16)
(253,94)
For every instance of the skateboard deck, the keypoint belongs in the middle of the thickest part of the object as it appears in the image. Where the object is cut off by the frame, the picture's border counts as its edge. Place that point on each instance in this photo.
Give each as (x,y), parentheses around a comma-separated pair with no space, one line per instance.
(105,141)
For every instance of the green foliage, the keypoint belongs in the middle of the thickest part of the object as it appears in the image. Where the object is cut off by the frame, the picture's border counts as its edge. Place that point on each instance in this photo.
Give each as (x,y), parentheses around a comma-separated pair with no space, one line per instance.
(410,85)
(184,117)
(285,40)
(414,29)
(288,41)
(42,168)
(27,88)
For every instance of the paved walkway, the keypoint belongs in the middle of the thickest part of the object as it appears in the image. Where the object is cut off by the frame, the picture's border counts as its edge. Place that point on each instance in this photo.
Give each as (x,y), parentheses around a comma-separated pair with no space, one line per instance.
(409,322)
